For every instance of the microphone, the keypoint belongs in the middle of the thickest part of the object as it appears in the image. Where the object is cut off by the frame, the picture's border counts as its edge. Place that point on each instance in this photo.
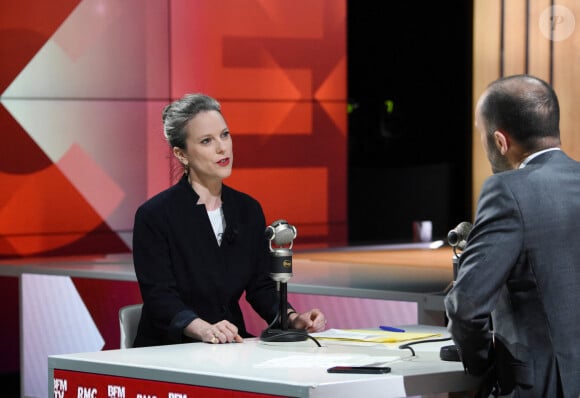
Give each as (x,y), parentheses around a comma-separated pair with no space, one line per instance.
(457,237)
(281,233)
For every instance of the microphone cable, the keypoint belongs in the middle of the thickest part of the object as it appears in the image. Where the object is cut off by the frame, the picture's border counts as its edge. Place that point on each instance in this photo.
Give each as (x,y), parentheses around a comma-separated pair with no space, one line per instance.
(408,345)
(290,333)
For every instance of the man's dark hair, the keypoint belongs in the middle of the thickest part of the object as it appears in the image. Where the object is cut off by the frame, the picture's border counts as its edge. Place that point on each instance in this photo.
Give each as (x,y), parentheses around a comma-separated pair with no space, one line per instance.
(524,107)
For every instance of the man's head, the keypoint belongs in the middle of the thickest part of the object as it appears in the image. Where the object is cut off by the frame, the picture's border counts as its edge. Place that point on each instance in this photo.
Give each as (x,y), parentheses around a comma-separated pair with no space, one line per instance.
(517,116)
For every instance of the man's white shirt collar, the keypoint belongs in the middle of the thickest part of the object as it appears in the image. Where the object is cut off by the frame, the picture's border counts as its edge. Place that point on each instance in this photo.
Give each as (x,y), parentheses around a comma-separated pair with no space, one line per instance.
(533,155)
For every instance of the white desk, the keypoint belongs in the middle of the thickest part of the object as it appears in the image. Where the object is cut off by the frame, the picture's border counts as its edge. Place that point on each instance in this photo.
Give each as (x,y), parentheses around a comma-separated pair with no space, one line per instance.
(254,367)
(354,287)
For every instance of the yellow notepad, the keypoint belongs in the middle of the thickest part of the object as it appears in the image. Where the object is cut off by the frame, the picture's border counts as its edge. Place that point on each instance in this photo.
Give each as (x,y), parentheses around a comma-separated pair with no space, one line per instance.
(371,336)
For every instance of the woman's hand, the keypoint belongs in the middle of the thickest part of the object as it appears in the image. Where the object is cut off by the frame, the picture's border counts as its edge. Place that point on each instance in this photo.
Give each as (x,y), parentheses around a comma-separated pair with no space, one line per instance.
(313,320)
(217,333)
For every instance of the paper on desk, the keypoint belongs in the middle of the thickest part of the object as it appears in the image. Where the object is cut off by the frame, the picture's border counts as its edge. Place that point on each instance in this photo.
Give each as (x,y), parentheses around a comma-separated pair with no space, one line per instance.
(370,336)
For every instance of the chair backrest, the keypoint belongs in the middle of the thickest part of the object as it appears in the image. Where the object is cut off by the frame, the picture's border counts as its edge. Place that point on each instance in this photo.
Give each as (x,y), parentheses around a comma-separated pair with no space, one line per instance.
(128,320)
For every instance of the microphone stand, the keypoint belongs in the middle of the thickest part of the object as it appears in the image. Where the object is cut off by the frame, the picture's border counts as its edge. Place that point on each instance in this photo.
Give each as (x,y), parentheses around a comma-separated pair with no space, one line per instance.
(457,239)
(281,273)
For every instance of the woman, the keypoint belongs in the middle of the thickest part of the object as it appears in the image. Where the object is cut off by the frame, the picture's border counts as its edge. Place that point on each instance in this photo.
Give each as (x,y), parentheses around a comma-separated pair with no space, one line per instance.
(199,245)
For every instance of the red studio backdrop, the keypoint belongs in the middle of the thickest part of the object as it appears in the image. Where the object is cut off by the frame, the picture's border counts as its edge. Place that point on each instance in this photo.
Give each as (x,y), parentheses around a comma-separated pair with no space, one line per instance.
(82,87)
(83,84)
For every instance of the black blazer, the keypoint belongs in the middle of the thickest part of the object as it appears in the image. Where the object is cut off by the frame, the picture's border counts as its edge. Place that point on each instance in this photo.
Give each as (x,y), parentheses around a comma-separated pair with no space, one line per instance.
(521,264)
(182,271)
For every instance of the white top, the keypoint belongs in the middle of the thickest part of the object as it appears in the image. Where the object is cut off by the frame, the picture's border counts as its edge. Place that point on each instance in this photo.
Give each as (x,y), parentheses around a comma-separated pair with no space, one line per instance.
(218,223)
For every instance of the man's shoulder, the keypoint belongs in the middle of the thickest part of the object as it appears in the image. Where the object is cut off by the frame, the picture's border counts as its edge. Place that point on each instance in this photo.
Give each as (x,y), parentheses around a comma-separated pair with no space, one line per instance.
(548,171)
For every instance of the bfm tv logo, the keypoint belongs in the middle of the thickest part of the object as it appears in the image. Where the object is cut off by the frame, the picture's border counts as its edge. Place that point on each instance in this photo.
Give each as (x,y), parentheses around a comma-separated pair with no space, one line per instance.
(113,391)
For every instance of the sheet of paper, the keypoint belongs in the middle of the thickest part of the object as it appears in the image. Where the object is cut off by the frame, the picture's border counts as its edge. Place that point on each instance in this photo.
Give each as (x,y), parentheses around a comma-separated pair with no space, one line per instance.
(371,336)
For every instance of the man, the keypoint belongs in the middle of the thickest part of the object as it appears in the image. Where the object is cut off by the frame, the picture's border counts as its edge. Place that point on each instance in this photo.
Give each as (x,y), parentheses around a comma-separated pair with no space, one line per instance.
(514,310)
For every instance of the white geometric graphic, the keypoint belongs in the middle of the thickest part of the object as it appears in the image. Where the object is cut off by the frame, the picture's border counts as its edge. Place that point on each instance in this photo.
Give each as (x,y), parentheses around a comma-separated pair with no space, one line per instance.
(100,146)
(91,97)
(103,50)
(54,321)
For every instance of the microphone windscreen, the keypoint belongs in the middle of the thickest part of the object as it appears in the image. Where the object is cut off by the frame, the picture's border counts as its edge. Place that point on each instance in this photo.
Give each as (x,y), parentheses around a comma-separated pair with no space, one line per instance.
(284,237)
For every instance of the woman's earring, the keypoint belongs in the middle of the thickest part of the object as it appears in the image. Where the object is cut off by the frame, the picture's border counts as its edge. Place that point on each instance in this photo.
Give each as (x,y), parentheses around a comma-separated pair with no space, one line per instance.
(186,168)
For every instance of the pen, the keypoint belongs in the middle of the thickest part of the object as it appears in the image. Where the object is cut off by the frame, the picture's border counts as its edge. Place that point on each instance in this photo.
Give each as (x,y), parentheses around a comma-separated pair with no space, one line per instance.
(391,329)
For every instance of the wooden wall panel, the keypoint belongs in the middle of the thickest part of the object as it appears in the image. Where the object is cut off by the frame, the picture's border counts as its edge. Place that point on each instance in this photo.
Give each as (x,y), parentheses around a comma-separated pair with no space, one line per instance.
(567,78)
(486,68)
(509,38)
(539,59)
(514,37)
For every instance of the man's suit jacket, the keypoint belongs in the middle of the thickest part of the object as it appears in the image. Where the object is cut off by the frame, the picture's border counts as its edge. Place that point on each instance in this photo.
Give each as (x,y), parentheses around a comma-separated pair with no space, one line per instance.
(522,262)
(182,271)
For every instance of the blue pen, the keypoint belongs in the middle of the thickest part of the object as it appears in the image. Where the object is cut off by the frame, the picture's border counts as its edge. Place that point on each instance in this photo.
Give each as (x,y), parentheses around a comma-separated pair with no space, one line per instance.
(391,329)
